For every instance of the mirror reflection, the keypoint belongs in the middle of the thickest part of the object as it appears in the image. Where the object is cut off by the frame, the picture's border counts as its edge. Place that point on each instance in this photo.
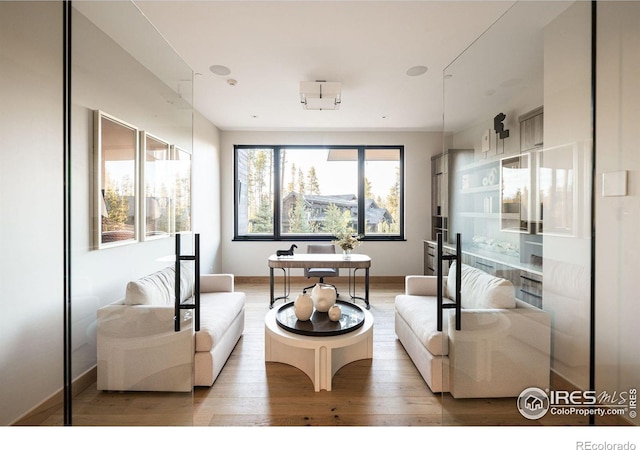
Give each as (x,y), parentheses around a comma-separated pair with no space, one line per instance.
(513,178)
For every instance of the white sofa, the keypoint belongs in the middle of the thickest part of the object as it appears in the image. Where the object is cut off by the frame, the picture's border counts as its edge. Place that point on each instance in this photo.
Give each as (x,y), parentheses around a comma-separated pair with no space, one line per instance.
(503,345)
(138,348)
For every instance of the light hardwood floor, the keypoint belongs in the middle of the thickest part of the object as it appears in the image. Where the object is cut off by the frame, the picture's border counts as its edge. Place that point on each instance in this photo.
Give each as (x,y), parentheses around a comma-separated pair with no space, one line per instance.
(384,391)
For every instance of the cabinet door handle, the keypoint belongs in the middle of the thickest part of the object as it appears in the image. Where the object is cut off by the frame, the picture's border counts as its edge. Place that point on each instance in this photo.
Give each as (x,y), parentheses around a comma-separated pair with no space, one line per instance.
(524,291)
(485,265)
(431,268)
(524,277)
(431,254)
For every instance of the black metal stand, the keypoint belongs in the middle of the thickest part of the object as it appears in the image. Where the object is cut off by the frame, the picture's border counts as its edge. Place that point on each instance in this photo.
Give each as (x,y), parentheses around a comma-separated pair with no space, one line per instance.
(194,301)
(458,297)
(352,287)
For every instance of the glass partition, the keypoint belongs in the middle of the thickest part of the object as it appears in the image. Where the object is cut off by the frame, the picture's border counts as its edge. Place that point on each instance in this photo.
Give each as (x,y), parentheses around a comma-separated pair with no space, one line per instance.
(516,163)
(131,189)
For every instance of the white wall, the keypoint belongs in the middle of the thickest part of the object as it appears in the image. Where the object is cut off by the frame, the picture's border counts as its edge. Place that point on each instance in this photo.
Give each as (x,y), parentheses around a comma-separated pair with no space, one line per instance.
(31,266)
(388,258)
(206,193)
(617,218)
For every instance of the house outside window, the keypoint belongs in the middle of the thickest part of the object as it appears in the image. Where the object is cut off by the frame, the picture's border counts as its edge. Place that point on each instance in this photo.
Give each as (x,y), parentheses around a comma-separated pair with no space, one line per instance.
(313,193)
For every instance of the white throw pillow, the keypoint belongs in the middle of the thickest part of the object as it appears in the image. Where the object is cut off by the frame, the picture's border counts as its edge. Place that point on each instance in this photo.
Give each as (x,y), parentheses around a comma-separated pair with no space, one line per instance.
(481,290)
(159,287)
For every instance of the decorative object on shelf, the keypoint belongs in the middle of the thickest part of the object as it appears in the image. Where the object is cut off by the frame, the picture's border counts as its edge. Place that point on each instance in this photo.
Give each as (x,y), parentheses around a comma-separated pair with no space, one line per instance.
(303,307)
(323,296)
(493,176)
(493,245)
(335,313)
(286,252)
(488,143)
(498,126)
(347,240)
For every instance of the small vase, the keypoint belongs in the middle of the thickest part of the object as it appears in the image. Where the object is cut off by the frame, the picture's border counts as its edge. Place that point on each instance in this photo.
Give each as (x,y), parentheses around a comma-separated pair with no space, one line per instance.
(346,254)
(303,307)
(335,313)
(323,296)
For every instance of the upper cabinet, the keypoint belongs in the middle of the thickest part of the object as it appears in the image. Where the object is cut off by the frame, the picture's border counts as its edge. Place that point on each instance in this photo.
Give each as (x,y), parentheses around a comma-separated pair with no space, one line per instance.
(531,130)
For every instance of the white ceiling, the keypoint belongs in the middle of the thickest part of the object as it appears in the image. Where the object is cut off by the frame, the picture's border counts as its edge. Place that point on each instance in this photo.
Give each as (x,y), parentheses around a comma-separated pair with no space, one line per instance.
(271,46)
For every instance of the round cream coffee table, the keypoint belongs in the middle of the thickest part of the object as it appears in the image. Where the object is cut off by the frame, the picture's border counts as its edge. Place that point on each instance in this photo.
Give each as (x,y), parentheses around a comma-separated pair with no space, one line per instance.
(319,356)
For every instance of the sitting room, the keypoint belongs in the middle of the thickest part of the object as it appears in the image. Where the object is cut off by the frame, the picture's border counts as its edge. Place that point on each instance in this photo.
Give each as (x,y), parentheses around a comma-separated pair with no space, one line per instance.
(345,214)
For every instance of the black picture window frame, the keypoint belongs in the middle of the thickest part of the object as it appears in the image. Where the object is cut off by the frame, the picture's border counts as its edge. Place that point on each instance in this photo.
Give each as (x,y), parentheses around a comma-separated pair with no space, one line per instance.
(276,166)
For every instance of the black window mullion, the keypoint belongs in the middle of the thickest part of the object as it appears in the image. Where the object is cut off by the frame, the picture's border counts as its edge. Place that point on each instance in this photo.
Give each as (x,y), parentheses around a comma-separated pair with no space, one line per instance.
(361,193)
(236,192)
(401,206)
(277,200)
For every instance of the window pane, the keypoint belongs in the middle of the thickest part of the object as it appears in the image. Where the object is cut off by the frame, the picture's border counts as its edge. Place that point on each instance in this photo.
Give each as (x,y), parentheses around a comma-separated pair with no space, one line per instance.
(182,207)
(254,190)
(157,188)
(319,191)
(382,191)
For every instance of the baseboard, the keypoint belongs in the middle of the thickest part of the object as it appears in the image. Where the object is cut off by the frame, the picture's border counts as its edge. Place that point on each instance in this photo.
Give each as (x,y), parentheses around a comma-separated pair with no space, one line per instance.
(56,402)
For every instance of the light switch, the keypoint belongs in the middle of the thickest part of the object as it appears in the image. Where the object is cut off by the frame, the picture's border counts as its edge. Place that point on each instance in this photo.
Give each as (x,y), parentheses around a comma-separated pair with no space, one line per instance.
(614,184)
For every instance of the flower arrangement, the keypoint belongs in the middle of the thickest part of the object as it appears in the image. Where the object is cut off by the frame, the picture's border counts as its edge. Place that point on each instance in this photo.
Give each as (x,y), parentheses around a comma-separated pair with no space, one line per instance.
(347,240)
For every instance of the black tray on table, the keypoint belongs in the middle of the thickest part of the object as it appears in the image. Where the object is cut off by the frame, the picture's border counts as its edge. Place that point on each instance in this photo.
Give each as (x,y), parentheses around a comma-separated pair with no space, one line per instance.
(319,324)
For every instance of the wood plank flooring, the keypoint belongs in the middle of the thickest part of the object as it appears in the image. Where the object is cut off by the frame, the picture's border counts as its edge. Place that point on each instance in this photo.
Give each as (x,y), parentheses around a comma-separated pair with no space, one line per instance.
(384,391)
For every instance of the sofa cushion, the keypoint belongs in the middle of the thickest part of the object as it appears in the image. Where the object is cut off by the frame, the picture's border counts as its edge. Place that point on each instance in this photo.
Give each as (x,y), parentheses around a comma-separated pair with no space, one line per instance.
(217,312)
(159,288)
(481,290)
(421,315)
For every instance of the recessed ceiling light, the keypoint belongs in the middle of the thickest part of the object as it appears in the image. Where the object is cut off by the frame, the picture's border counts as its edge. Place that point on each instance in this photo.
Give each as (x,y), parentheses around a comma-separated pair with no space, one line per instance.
(416,71)
(220,70)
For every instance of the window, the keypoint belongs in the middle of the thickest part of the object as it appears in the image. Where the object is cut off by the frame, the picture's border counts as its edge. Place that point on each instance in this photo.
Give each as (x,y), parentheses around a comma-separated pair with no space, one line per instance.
(302,192)
(254,192)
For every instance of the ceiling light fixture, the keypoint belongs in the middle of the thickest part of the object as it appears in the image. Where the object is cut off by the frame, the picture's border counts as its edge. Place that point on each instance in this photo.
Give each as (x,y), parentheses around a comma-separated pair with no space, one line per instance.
(417,71)
(320,95)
